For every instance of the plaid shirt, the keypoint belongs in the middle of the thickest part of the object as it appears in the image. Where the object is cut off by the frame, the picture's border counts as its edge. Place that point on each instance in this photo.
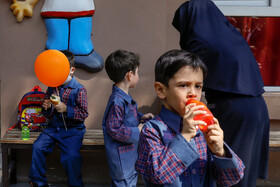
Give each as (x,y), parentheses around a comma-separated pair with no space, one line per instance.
(165,157)
(115,122)
(121,134)
(74,96)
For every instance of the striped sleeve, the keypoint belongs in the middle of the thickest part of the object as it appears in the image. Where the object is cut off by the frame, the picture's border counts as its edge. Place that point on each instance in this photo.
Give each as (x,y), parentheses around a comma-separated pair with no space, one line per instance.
(229,171)
(81,108)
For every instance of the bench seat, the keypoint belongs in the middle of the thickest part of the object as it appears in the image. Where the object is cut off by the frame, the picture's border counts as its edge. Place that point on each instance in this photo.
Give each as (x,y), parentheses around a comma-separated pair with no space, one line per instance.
(92,137)
(93,140)
(274,139)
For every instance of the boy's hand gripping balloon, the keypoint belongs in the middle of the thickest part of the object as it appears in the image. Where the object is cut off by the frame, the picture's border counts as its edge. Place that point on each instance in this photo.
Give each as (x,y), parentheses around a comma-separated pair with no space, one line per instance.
(52,68)
(207,118)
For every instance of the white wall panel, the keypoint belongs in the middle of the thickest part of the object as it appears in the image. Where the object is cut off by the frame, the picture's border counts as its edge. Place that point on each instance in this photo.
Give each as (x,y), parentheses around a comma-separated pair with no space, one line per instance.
(242,2)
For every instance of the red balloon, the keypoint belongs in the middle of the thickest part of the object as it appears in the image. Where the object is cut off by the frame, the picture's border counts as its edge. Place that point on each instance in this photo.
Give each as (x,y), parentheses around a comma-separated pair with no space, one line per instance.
(52,68)
(207,118)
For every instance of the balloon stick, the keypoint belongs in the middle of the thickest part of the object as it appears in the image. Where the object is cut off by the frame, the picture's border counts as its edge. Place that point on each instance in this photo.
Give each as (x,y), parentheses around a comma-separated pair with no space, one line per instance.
(62,112)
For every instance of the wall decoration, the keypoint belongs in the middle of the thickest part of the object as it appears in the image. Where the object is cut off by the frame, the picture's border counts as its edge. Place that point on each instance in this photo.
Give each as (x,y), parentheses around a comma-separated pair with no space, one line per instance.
(69,26)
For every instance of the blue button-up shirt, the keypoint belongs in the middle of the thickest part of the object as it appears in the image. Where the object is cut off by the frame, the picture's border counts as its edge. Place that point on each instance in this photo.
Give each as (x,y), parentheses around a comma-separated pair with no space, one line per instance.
(167,159)
(121,133)
(74,96)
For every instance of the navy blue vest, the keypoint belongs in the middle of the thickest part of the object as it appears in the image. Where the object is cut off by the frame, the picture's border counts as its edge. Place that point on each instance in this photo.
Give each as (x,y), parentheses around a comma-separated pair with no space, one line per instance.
(56,119)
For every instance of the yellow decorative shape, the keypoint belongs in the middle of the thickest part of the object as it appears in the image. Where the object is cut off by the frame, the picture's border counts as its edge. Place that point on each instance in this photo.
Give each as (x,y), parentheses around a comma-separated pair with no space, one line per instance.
(23,8)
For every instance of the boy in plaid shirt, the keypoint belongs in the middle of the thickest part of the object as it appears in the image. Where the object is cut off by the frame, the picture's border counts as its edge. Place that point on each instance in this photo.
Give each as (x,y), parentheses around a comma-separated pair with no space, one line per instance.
(172,150)
(121,122)
(66,129)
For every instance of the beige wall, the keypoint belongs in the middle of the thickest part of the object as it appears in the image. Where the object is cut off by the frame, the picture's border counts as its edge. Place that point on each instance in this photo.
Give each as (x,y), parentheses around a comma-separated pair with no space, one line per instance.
(141,26)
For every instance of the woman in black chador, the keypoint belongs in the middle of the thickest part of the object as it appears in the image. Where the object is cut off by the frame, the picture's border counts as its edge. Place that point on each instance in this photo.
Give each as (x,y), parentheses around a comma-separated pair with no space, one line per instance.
(233,86)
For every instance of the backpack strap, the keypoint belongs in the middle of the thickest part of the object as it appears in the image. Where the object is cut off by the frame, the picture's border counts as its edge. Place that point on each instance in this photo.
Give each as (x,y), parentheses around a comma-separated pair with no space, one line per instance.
(36,88)
(14,126)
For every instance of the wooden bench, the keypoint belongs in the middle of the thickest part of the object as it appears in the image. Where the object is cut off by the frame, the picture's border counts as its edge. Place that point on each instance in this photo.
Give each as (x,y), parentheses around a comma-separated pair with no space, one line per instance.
(274,140)
(93,140)
(11,141)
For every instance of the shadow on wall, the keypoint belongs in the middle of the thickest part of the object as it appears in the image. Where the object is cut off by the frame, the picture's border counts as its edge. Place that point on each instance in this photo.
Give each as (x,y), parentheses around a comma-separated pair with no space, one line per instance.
(13,119)
(84,75)
(155,107)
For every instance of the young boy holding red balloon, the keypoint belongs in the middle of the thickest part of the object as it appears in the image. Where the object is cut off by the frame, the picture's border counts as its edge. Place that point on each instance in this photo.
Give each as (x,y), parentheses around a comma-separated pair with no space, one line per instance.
(66,129)
(172,150)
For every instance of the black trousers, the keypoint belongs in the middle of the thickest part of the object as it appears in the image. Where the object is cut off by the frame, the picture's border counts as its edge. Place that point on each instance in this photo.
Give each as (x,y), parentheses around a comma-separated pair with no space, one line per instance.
(245,122)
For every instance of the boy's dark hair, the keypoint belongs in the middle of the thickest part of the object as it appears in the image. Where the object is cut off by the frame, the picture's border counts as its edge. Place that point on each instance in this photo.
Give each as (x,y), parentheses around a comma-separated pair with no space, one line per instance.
(170,62)
(70,56)
(119,63)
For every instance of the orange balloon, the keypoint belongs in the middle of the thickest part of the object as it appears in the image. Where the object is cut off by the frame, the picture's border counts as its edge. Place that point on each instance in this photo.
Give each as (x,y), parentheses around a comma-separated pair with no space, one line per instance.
(52,68)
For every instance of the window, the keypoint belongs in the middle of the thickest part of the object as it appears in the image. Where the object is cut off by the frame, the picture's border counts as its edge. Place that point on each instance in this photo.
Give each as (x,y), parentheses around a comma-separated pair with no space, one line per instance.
(242,2)
(261,34)
(259,23)
(249,7)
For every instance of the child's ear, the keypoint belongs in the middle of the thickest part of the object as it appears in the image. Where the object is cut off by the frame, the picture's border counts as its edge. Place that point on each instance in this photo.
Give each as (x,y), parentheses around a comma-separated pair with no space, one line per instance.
(129,75)
(160,90)
(72,70)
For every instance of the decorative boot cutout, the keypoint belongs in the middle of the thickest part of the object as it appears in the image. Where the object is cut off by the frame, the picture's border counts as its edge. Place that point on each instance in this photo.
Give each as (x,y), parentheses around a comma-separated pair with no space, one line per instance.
(69,25)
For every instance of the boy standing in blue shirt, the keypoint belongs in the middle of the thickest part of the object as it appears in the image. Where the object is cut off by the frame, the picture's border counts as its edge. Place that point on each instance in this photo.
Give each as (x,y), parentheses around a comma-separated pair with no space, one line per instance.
(66,129)
(172,150)
(121,122)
